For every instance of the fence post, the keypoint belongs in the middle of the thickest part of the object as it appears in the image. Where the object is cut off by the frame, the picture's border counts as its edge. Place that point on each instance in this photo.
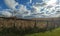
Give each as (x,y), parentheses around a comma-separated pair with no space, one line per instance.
(47,25)
(53,23)
(35,23)
(14,22)
(35,28)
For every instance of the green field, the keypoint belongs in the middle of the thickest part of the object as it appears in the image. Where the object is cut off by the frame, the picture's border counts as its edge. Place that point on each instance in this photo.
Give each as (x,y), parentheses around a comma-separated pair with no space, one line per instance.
(55,32)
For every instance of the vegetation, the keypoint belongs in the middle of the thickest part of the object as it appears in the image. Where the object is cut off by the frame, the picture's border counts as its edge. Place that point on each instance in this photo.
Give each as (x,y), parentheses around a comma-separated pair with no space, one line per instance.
(20,27)
(55,32)
(14,32)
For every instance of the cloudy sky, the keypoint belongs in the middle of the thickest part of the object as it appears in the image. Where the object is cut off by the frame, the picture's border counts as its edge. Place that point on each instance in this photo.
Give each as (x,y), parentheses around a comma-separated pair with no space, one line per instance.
(30,8)
(24,2)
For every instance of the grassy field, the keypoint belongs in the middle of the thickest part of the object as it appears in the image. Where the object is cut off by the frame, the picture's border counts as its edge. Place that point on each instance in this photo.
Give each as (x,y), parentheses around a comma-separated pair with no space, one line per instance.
(55,32)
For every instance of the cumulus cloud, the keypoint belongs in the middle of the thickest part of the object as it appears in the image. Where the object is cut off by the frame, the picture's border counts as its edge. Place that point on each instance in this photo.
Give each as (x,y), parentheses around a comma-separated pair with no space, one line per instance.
(38,10)
(30,1)
(51,2)
(23,11)
(11,3)
(6,14)
(48,9)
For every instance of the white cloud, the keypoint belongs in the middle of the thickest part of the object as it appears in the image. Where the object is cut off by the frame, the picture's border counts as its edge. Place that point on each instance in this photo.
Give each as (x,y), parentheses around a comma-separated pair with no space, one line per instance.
(30,1)
(11,3)
(51,2)
(5,13)
(48,7)
(36,9)
(23,11)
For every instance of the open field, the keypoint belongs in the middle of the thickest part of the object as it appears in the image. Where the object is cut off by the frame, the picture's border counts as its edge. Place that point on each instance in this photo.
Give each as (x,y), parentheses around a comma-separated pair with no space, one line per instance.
(55,32)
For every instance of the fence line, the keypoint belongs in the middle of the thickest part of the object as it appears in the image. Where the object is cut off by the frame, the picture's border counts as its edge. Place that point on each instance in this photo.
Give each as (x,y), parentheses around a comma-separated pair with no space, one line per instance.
(50,24)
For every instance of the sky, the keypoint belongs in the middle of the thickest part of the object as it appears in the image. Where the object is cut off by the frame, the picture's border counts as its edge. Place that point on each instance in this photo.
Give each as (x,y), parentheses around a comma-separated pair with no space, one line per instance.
(30,8)
(24,2)
(2,5)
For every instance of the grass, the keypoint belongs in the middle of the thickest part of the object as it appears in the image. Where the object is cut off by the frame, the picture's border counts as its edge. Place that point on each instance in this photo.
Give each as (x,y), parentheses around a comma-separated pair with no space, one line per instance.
(55,32)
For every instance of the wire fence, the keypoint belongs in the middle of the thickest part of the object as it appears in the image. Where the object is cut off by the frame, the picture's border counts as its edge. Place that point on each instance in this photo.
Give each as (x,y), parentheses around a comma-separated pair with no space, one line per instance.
(37,25)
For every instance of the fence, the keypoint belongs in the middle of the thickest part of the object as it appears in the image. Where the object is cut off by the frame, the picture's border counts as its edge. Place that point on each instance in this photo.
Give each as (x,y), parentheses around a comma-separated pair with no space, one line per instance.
(29,24)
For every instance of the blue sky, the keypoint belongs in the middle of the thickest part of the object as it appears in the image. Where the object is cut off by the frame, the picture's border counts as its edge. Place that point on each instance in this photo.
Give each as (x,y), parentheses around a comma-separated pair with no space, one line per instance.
(4,6)
(29,7)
